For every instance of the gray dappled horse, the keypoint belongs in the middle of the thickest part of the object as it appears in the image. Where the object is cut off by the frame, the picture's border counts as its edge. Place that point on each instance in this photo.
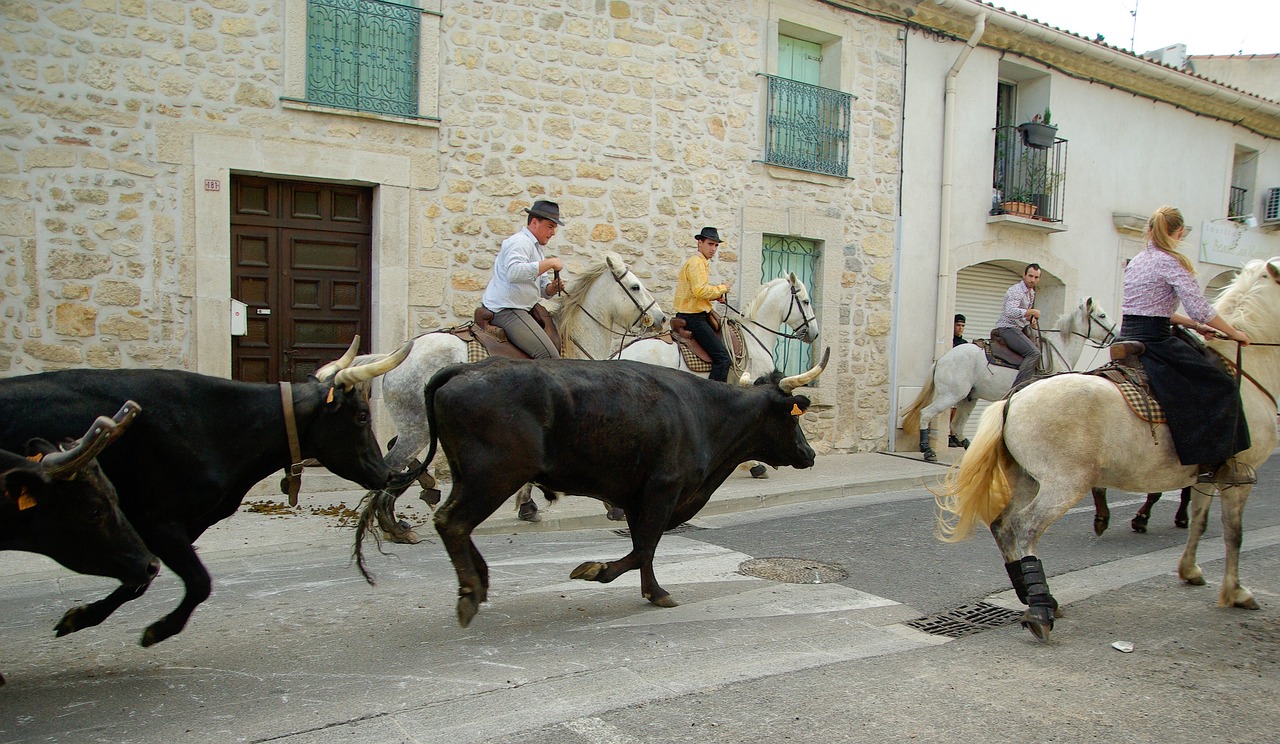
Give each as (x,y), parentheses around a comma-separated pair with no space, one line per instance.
(1037,454)
(963,376)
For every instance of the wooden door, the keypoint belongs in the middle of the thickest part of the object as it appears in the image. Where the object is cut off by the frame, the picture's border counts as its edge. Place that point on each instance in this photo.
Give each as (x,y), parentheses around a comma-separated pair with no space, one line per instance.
(301,262)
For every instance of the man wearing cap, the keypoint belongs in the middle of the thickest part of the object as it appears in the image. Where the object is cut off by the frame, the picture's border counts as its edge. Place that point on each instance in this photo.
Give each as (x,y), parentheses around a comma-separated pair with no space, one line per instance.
(694,294)
(520,279)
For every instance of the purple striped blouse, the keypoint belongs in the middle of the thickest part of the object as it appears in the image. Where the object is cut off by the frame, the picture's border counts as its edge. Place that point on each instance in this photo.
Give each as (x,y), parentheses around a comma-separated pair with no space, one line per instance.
(1154,284)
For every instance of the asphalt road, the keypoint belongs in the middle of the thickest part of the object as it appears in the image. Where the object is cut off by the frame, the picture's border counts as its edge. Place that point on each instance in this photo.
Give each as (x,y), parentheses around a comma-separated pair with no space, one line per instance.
(294,647)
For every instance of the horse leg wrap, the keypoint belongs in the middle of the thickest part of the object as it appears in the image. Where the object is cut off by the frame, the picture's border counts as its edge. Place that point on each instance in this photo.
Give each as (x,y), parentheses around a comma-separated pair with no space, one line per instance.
(1035,584)
(929,454)
(1014,569)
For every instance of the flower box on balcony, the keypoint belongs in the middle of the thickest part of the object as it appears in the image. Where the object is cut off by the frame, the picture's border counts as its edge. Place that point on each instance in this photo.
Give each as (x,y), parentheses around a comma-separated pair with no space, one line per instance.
(1037,135)
(1021,209)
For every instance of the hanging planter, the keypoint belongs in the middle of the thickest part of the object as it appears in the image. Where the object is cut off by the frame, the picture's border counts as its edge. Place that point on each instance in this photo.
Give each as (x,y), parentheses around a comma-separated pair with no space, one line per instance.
(1037,135)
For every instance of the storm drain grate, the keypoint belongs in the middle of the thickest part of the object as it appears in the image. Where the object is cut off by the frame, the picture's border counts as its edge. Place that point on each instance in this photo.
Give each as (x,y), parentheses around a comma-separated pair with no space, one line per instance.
(966,620)
(686,527)
(793,570)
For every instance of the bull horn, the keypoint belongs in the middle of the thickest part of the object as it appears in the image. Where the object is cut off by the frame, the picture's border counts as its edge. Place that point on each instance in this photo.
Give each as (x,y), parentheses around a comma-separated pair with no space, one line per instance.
(62,464)
(341,363)
(364,372)
(787,384)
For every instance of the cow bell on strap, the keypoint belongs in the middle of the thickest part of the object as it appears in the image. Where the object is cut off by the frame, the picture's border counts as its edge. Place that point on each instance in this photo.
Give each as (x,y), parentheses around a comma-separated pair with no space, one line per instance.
(293,476)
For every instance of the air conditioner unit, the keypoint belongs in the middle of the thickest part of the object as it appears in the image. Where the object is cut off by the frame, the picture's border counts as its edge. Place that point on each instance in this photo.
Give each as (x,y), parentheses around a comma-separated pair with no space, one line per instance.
(1271,208)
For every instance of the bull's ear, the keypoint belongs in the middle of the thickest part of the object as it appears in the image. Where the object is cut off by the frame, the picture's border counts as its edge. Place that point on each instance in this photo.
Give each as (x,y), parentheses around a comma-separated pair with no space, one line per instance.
(20,489)
(799,405)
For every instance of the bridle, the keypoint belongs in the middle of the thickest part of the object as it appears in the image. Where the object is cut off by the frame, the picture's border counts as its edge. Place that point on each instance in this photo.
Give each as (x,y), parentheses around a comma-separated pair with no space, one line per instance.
(1087,336)
(795,304)
(644,318)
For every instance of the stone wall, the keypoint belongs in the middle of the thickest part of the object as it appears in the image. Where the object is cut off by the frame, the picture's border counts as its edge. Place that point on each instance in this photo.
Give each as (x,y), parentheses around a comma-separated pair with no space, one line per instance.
(642,119)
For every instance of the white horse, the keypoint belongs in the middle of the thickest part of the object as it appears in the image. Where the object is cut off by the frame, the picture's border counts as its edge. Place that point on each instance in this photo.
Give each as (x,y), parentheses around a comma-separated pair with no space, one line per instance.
(962,376)
(608,303)
(781,302)
(1036,455)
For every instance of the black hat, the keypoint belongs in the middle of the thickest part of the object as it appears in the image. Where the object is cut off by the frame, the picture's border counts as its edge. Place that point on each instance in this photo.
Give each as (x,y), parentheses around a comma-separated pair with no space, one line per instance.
(960,318)
(709,233)
(547,210)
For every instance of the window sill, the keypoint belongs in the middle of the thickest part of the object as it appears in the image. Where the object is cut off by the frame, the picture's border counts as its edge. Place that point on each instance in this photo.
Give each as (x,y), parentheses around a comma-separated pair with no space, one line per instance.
(793,174)
(1030,223)
(417,121)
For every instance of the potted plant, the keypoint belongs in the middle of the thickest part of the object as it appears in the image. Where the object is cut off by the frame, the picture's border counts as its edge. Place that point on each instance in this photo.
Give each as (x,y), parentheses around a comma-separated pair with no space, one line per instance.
(1018,202)
(1039,133)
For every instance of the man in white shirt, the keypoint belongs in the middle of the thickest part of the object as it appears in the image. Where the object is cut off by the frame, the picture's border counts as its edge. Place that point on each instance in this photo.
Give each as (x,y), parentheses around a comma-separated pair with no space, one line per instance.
(1017,320)
(520,279)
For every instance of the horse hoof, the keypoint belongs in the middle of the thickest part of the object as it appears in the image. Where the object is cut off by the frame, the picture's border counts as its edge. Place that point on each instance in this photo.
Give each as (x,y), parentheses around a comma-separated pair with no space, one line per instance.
(587,571)
(528,512)
(616,514)
(1039,620)
(1100,525)
(666,601)
(759,471)
(1139,525)
(1247,604)
(1195,581)
(1180,523)
(430,495)
(930,455)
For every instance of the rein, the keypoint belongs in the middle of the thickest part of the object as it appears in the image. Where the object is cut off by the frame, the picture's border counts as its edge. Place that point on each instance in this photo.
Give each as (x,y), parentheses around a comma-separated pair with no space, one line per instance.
(1237,369)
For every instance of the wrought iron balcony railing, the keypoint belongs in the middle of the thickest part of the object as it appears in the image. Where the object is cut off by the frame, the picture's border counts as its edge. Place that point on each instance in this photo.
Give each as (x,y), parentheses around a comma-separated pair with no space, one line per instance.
(1239,204)
(807,127)
(1028,181)
(363,55)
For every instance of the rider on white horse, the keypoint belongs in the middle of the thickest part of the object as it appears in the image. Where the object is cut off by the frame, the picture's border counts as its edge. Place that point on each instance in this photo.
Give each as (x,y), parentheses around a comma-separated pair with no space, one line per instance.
(520,280)
(694,293)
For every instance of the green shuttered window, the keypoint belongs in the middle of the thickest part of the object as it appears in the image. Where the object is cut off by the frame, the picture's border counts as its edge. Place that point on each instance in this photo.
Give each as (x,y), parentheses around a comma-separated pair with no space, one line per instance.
(363,55)
(782,256)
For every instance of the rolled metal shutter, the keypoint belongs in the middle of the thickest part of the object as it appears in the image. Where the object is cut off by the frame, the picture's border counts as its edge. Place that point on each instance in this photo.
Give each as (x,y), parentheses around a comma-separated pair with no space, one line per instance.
(980,298)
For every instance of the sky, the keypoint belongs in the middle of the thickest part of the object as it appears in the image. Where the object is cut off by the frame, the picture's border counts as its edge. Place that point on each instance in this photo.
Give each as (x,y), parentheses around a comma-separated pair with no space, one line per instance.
(1205,26)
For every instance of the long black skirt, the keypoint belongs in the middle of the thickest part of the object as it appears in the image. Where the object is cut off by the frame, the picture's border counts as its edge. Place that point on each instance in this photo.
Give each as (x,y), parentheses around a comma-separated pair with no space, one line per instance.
(1206,418)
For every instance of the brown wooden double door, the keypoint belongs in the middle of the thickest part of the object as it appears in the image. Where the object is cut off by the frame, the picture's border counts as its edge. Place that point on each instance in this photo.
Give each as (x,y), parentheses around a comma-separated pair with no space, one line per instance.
(301,262)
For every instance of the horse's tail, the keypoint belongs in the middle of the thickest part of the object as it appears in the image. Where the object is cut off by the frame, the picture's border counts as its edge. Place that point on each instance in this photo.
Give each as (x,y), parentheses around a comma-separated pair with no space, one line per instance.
(380,506)
(977,490)
(911,421)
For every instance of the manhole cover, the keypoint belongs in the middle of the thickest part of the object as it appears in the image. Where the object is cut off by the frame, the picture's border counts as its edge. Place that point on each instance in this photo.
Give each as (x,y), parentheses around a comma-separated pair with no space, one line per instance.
(793,570)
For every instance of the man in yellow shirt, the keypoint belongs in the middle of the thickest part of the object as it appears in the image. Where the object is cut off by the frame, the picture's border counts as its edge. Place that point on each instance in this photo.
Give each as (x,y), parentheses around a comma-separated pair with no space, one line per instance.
(694,294)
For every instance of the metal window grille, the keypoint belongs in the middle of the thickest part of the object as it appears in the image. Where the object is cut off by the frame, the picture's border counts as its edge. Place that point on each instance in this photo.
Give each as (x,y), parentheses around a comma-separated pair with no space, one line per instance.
(1239,204)
(807,126)
(363,55)
(782,256)
(1032,176)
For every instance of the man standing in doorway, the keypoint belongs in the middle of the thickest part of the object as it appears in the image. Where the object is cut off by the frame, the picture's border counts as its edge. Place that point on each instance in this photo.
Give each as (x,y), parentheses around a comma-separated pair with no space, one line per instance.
(1018,319)
(694,294)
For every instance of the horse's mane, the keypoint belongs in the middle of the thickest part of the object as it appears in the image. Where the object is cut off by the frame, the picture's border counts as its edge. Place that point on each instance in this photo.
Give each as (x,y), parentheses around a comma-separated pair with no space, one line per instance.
(1243,302)
(758,300)
(569,314)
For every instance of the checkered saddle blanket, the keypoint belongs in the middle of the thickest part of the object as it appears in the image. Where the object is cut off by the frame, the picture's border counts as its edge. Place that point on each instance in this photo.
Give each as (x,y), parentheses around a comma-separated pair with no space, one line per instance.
(734,339)
(1133,386)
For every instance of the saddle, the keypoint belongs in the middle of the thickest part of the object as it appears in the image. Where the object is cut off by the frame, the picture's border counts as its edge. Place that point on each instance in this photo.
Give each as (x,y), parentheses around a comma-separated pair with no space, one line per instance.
(694,352)
(1000,355)
(492,340)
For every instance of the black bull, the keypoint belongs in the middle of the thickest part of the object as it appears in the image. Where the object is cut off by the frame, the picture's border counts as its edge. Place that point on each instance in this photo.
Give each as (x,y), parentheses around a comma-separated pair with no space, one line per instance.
(656,442)
(193,453)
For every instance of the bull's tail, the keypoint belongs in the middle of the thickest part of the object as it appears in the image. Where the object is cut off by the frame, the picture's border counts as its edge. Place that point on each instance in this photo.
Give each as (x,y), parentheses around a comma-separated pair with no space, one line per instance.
(380,506)
(911,421)
(977,489)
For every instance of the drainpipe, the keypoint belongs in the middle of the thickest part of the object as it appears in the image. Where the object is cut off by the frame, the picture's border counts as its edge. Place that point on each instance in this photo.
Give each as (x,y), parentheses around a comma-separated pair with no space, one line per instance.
(942,324)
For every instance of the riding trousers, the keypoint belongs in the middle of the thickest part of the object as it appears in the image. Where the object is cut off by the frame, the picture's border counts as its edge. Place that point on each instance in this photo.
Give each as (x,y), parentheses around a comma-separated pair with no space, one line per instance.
(523,331)
(707,338)
(1019,343)
(1200,400)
